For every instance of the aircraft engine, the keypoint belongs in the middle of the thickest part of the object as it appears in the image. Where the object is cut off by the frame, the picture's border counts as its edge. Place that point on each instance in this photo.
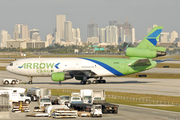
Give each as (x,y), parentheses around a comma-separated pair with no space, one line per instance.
(144,53)
(60,76)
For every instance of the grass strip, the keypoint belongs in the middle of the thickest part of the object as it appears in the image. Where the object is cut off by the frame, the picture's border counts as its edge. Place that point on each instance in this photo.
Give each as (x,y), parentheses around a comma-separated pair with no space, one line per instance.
(171,65)
(2,68)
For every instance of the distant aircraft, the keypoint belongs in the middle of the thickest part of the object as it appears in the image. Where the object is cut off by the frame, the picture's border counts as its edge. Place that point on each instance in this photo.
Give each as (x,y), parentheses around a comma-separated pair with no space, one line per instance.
(60,69)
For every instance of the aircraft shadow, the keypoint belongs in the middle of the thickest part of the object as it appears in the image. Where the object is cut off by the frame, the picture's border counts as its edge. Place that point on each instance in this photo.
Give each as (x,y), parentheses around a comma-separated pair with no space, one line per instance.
(77,83)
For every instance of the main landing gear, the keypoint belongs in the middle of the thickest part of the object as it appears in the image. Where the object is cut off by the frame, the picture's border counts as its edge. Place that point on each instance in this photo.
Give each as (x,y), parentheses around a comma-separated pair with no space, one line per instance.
(30,81)
(94,81)
(99,81)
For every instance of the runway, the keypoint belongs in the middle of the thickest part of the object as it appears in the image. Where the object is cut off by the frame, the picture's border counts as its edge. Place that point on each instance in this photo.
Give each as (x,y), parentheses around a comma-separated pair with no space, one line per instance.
(170,87)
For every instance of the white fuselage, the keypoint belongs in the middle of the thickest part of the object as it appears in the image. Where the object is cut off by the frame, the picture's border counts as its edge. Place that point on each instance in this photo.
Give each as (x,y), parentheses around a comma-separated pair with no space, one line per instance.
(44,67)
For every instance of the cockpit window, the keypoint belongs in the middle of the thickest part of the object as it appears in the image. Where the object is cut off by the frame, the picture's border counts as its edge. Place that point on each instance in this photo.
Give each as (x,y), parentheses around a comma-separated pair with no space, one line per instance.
(11,64)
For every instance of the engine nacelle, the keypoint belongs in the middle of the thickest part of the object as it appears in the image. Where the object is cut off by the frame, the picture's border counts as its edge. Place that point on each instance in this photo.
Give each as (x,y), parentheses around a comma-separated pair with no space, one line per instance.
(60,76)
(144,53)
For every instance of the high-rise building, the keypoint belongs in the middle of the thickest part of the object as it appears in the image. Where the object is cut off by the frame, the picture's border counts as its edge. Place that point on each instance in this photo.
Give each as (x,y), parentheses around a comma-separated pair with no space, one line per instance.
(126,29)
(102,37)
(31,32)
(174,35)
(164,37)
(111,34)
(92,30)
(68,31)
(4,36)
(76,35)
(133,35)
(60,20)
(35,36)
(20,32)
(24,32)
(112,23)
(49,40)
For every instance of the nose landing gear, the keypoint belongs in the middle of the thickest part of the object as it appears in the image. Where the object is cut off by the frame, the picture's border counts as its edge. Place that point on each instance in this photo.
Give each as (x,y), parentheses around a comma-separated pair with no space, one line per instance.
(30,81)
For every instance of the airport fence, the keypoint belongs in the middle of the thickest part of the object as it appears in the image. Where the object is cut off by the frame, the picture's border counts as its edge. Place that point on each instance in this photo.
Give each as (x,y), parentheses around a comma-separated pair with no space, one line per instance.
(144,100)
(4,102)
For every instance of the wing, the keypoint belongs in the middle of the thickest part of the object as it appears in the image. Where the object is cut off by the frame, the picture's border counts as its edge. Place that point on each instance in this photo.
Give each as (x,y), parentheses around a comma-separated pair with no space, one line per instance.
(141,62)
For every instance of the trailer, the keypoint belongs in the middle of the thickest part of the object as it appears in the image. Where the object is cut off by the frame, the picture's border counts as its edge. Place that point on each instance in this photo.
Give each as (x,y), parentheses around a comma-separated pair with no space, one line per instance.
(36,93)
(16,94)
(107,107)
(55,111)
(84,109)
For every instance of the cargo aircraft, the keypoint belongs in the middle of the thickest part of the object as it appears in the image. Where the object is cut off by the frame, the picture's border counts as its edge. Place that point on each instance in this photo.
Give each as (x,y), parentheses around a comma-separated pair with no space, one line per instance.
(60,69)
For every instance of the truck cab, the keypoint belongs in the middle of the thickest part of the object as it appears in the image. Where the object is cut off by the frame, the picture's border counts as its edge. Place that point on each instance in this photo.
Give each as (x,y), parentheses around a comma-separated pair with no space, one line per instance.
(96,111)
(43,102)
(64,100)
(76,98)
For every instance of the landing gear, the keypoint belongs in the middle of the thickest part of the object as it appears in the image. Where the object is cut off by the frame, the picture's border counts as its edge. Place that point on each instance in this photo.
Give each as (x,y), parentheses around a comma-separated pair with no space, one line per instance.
(30,81)
(85,82)
(59,82)
(99,81)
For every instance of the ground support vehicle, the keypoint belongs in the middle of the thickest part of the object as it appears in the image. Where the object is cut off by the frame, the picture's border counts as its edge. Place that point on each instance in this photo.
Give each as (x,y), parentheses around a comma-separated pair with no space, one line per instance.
(12,81)
(55,111)
(86,95)
(94,110)
(37,93)
(16,94)
(76,98)
(20,107)
(43,102)
(107,107)
(64,100)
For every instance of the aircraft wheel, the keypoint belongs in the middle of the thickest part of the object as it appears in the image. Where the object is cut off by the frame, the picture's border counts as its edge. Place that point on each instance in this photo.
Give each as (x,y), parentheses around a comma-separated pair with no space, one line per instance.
(30,82)
(95,81)
(13,82)
(104,81)
(6,82)
(89,82)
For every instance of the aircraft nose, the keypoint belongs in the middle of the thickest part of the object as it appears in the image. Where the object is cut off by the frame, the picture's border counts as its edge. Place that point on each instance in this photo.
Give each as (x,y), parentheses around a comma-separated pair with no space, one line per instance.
(7,68)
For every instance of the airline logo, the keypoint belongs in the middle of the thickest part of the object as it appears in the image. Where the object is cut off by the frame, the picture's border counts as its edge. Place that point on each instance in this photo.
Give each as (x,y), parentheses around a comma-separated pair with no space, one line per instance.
(39,66)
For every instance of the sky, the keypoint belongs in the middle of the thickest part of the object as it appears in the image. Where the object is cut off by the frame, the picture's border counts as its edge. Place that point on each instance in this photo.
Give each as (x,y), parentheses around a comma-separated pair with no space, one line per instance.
(41,14)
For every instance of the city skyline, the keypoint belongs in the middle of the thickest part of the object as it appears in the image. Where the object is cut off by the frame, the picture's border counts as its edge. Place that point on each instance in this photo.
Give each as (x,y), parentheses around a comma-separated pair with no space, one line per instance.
(42,15)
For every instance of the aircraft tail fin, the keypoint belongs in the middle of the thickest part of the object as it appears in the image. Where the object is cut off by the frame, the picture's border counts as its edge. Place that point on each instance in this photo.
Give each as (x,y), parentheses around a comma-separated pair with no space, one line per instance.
(151,39)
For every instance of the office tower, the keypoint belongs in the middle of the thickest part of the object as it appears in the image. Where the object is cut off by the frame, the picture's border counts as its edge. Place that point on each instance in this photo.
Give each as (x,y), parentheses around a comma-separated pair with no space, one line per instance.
(102,37)
(35,36)
(4,36)
(20,32)
(164,37)
(76,35)
(68,31)
(24,32)
(60,20)
(174,35)
(112,23)
(17,32)
(92,30)
(133,35)
(126,29)
(31,32)
(111,34)
(49,39)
